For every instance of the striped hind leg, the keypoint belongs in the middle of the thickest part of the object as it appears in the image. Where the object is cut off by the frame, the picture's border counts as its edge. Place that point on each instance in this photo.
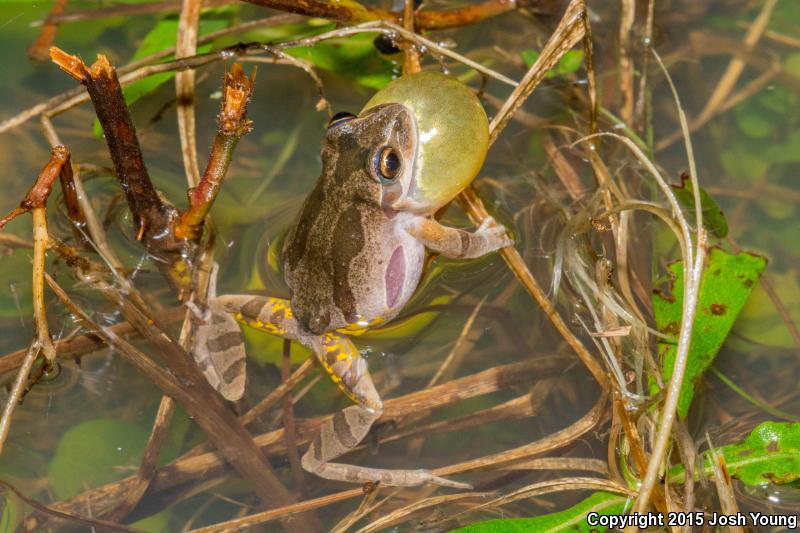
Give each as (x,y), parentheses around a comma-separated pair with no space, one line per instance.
(342,361)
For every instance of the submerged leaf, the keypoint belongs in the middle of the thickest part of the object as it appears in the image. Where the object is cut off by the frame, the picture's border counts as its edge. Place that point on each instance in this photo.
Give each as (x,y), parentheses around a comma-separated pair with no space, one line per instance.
(569,63)
(354,57)
(713,217)
(572,520)
(724,289)
(770,454)
(93,453)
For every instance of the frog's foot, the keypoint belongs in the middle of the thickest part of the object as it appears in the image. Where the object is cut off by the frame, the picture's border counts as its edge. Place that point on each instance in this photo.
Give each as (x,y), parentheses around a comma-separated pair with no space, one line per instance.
(457,243)
(494,234)
(343,433)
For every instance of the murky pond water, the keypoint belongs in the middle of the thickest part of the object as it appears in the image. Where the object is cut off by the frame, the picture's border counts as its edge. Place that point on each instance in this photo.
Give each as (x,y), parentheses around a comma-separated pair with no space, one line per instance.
(88,426)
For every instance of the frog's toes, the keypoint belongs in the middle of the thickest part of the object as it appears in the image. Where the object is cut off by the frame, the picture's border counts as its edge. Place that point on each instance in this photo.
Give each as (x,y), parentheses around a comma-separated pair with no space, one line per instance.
(429,478)
(495,234)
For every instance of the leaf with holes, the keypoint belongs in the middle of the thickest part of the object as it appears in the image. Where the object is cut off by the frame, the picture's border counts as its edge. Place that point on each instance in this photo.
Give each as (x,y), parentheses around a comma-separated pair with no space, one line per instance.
(725,287)
(770,454)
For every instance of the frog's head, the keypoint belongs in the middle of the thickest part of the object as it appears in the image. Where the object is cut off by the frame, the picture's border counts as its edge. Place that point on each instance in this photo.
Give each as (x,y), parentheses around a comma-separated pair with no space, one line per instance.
(452,132)
(373,155)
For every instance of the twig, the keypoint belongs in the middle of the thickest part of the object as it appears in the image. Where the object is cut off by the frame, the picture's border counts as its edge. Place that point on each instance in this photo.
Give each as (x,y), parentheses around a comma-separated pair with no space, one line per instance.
(570,30)
(627,17)
(693,268)
(554,441)
(38,51)
(288,421)
(129,10)
(193,392)
(191,466)
(93,523)
(95,228)
(186,45)
(396,515)
(147,468)
(141,68)
(392,29)
(279,392)
(16,391)
(354,12)
(550,486)
(232,126)
(723,483)
(151,216)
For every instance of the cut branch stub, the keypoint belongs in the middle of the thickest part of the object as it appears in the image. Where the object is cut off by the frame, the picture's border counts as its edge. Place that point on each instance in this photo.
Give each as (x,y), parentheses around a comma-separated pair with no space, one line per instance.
(233,124)
(151,216)
(40,191)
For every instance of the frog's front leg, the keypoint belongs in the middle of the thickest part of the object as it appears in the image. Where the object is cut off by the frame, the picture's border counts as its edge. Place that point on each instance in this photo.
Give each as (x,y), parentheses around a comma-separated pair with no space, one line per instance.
(342,361)
(457,243)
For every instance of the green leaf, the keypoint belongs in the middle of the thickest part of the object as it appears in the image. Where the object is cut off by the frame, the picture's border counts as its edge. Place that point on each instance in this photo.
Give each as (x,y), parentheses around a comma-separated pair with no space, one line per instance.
(792,64)
(94,453)
(12,512)
(572,520)
(713,217)
(569,62)
(724,289)
(770,454)
(753,121)
(354,57)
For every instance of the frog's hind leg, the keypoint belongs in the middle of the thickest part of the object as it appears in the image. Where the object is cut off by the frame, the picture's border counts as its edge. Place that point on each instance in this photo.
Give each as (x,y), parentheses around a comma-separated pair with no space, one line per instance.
(347,428)
(342,361)
(265,313)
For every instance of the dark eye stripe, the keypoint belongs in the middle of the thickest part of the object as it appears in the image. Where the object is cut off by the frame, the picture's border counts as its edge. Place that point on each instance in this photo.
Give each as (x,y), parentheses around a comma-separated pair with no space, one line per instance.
(338,118)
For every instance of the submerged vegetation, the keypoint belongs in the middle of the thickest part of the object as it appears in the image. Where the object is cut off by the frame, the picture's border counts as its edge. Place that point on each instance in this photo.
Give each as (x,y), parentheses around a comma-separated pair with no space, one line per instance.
(636,349)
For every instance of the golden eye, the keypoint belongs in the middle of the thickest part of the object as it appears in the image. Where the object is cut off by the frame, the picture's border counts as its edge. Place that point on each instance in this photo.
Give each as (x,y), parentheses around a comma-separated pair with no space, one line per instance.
(388,164)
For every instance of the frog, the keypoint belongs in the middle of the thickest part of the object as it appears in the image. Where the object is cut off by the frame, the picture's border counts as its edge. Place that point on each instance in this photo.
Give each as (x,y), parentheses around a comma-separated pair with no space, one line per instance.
(357,250)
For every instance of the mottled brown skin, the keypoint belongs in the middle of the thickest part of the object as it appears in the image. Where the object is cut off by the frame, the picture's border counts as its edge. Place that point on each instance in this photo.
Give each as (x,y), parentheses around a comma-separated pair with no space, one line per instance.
(335,258)
(352,260)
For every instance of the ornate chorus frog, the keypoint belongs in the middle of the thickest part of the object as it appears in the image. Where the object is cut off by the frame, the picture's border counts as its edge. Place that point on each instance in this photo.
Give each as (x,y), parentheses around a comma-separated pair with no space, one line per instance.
(356,252)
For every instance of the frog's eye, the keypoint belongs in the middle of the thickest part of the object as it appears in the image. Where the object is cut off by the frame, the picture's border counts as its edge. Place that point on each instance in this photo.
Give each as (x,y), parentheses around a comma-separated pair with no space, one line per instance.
(338,118)
(387,163)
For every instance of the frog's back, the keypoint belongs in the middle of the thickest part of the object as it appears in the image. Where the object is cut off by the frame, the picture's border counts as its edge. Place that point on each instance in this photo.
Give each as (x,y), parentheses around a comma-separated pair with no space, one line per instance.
(348,260)
(348,264)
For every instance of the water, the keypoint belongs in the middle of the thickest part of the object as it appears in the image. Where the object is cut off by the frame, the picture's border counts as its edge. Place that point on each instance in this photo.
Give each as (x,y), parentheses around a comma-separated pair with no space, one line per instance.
(280,161)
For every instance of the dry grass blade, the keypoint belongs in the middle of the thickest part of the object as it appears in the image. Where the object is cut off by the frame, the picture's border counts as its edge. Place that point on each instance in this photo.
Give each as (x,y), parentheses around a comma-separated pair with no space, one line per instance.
(561,463)
(402,513)
(16,391)
(366,506)
(571,29)
(551,442)
(556,485)
(279,392)
(186,45)
(723,483)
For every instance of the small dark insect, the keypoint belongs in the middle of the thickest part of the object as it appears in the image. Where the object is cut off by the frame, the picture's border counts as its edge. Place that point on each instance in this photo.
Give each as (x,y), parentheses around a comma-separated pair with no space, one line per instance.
(385,45)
